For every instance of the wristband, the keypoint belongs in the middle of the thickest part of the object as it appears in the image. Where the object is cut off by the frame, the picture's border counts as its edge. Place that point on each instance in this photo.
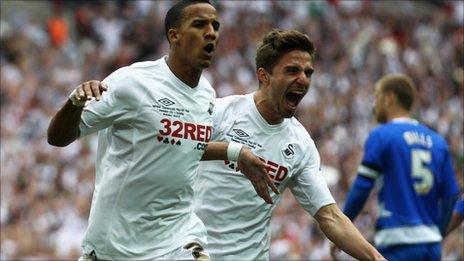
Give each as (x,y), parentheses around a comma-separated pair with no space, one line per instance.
(233,151)
(75,101)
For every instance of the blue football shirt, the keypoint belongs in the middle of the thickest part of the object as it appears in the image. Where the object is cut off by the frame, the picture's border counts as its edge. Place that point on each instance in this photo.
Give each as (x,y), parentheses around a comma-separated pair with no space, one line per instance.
(460,206)
(413,170)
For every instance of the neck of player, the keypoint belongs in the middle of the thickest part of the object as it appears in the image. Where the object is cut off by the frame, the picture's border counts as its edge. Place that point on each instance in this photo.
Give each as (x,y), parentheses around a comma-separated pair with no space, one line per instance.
(398,112)
(185,72)
(266,109)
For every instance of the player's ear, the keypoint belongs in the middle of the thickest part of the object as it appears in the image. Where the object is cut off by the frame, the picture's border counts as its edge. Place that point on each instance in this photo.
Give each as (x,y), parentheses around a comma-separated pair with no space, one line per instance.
(173,36)
(263,76)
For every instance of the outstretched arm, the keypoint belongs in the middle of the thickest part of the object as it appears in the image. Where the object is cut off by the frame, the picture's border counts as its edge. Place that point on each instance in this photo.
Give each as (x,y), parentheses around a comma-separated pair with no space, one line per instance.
(64,126)
(339,229)
(215,151)
(249,164)
(357,196)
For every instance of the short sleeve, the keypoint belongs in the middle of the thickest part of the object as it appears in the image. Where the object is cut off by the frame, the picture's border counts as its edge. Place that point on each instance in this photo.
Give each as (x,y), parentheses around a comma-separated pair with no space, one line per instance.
(460,206)
(371,164)
(116,105)
(309,186)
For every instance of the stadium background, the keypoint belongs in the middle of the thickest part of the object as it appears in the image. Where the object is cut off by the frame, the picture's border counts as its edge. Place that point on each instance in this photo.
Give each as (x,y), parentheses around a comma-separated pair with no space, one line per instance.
(48,48)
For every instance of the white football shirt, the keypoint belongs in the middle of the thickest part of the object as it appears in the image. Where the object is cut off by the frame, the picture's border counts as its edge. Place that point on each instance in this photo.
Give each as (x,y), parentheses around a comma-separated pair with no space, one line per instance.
(153,131)
(237,220)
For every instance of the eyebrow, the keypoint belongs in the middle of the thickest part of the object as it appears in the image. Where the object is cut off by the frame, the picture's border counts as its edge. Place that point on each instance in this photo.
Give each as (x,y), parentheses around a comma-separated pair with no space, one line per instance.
(196,20)
(204,19)
(291,66)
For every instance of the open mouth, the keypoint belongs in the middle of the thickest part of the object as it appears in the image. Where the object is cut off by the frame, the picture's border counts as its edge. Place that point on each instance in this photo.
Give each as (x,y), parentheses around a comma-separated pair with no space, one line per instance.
(293,98)
(209,48)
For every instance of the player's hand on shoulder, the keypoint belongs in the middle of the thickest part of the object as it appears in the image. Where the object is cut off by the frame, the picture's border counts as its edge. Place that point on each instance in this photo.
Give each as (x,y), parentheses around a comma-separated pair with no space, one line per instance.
(255,170)
(86,91)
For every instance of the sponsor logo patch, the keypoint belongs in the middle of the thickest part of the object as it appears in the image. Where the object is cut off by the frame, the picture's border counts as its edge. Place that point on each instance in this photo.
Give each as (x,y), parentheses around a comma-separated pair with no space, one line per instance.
(288,152)
(166,102)
(241,133)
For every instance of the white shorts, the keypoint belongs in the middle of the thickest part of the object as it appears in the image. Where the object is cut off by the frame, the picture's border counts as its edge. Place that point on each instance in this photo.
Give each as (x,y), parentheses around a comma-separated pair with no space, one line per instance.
(191,251)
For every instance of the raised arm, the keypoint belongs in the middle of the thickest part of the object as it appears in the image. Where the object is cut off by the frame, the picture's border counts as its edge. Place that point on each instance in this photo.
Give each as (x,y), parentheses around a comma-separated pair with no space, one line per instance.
(339,229)
(249,164)
(64,126)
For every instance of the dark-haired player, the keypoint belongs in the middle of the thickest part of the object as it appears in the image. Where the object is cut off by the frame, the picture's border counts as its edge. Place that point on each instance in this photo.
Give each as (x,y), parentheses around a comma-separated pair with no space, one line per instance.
(154,122)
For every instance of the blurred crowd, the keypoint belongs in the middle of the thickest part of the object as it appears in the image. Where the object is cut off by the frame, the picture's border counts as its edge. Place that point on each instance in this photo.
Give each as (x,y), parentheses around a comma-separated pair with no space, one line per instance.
(49,49)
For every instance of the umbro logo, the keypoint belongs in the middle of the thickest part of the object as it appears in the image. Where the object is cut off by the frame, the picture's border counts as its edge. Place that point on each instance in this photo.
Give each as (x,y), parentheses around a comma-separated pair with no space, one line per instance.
(166,102)
(241,133)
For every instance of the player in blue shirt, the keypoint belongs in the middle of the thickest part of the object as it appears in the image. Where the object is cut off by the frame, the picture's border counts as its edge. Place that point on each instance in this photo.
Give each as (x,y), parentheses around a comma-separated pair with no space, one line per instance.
(458,215)
(412,168)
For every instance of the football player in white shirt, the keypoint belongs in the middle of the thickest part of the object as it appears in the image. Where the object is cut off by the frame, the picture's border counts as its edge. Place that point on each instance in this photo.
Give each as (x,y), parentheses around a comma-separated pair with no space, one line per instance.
(155,122)
(238,223)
